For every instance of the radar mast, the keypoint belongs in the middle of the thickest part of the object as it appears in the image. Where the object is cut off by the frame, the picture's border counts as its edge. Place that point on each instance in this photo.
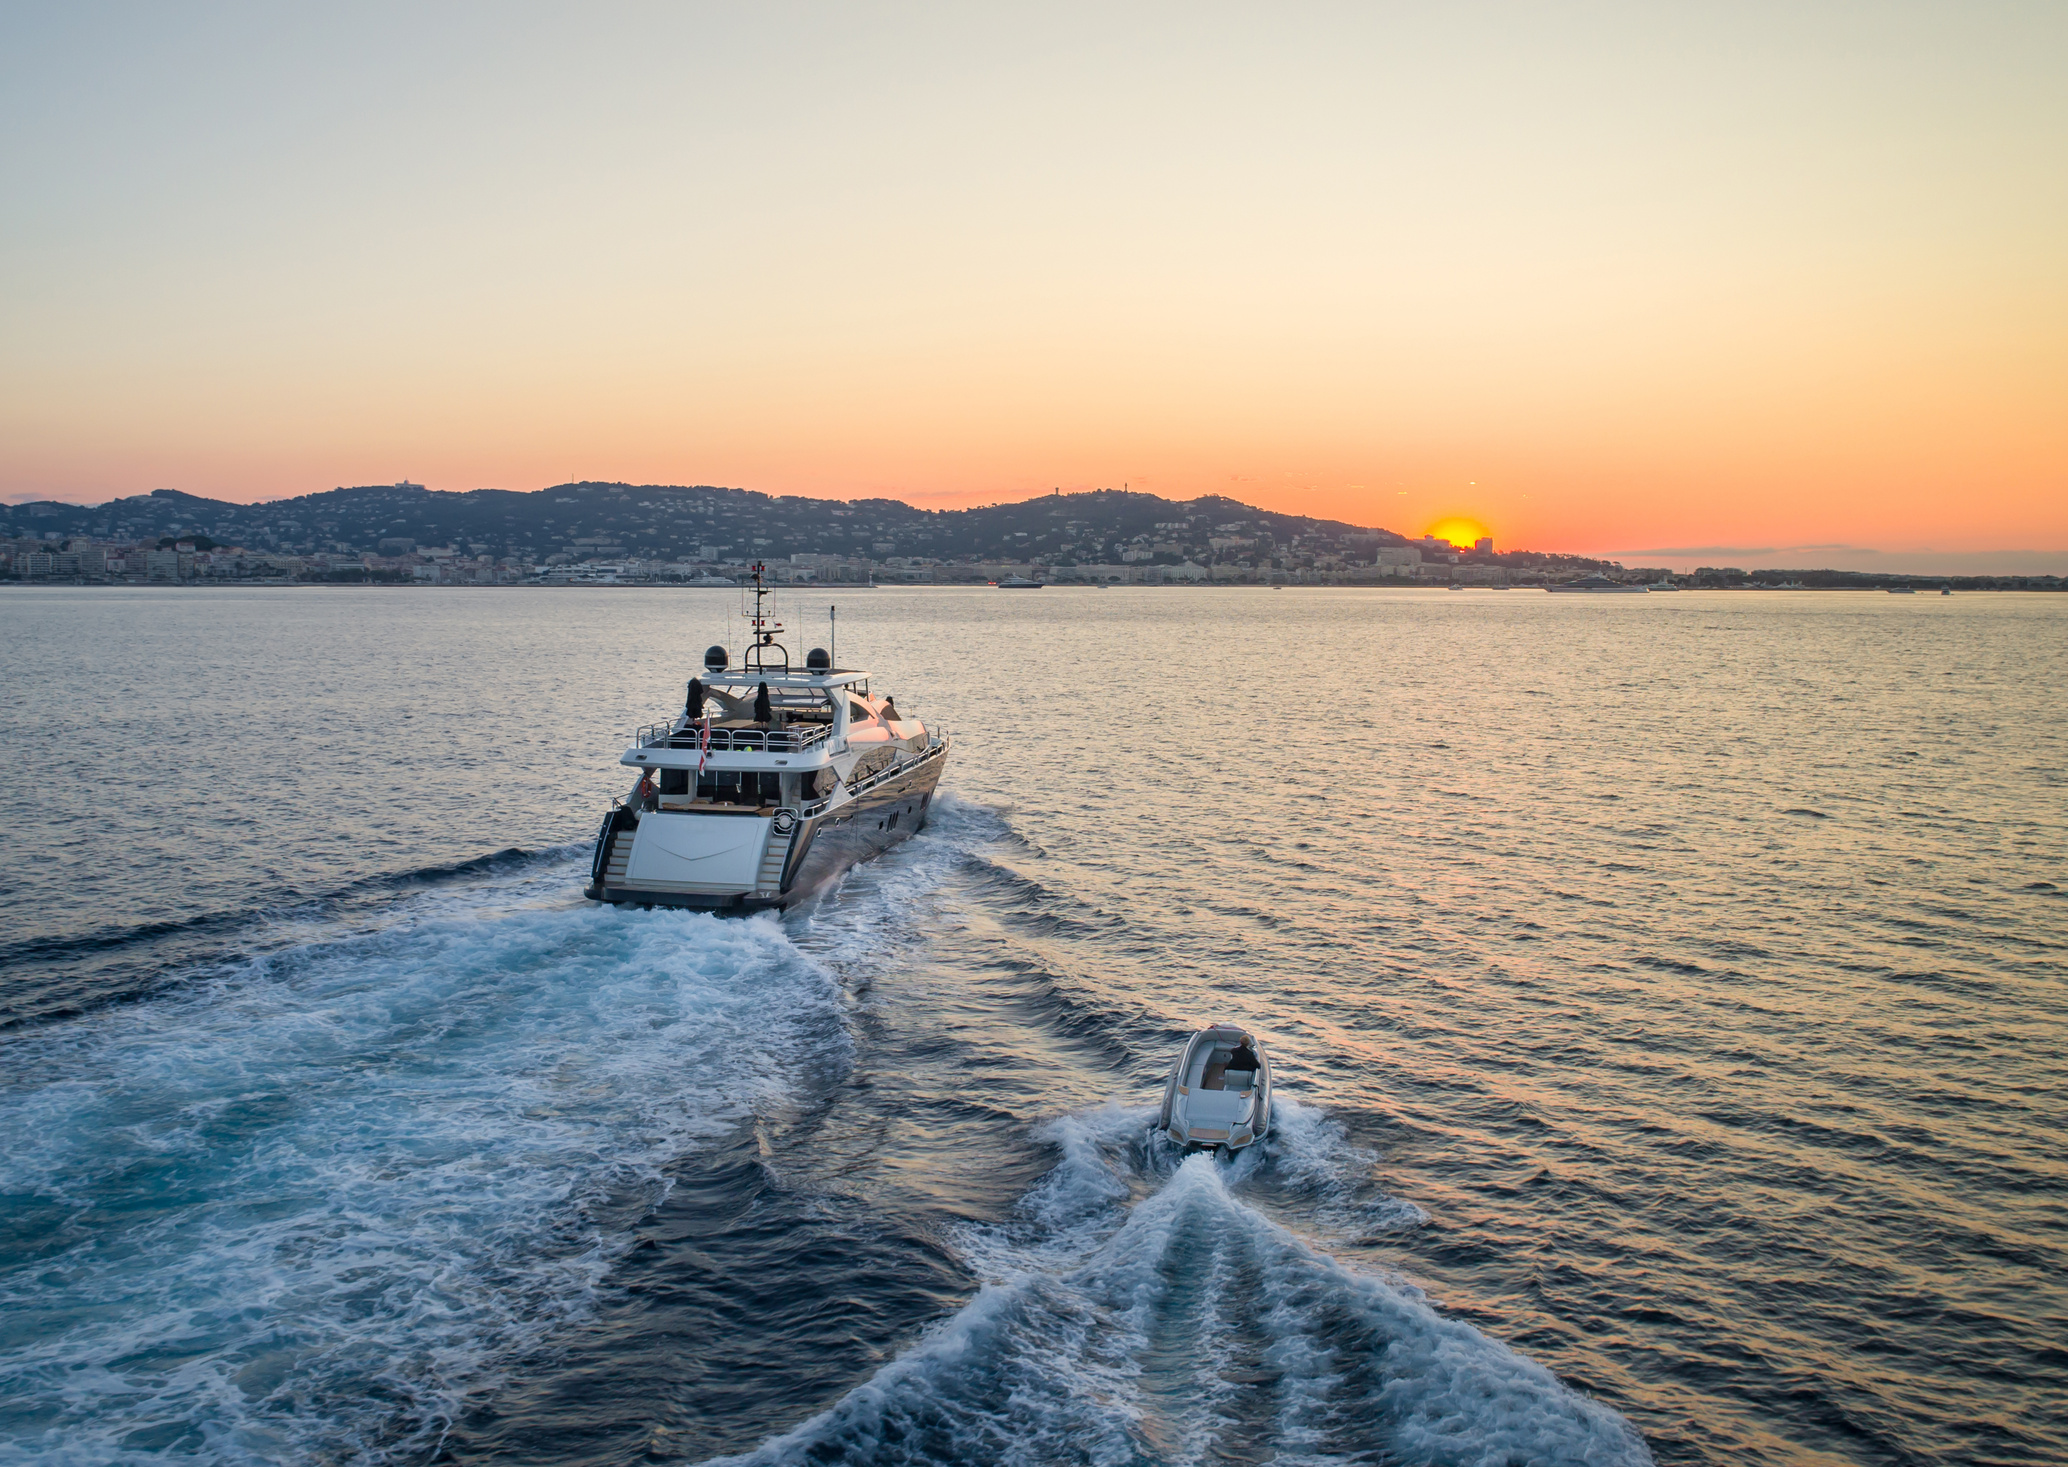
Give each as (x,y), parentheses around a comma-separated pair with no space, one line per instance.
(761,641)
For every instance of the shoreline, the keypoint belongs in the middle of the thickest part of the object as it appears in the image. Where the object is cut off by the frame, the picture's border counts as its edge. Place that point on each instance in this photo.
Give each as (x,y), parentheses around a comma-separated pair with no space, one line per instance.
(792,588)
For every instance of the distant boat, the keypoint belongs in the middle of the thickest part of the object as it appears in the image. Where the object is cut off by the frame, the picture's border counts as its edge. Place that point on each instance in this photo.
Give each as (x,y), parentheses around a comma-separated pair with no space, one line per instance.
(1945,590)
(1902,590)
(1017,583)
(1600,585)
(1662,586)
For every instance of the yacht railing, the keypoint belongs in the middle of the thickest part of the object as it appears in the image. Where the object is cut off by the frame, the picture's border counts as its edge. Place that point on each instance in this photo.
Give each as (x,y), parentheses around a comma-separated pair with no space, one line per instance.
(793,740)
(816,805)
(892,771)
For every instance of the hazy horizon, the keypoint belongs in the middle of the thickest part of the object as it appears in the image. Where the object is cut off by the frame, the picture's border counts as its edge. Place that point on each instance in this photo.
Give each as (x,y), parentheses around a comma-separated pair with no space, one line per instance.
(1607,278)
(1921,562)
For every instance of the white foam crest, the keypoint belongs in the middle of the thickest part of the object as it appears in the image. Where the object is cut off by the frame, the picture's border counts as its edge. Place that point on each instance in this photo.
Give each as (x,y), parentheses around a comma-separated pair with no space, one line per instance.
(1310,1153)
(1188,1328)
(312,1209)
(874,906)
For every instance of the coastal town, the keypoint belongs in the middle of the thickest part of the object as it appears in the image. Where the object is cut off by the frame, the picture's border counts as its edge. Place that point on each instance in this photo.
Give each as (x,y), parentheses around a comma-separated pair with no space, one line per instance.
(609,534)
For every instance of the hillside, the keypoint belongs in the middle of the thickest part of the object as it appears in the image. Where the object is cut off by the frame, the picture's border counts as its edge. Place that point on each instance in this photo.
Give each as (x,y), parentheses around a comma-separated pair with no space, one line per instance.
(674,522)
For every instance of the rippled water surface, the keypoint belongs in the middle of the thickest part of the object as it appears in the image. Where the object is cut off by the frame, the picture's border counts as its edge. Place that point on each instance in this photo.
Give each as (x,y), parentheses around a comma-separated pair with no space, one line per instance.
(1667,1000)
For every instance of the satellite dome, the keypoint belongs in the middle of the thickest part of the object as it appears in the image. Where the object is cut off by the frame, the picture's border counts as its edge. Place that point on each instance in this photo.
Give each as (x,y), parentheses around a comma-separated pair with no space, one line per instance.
(715,658)
(816,660)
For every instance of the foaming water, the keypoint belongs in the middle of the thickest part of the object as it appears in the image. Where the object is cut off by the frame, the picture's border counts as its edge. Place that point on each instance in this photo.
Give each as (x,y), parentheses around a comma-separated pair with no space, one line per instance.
(1188,1327)
(317,1202)
(1667,1000)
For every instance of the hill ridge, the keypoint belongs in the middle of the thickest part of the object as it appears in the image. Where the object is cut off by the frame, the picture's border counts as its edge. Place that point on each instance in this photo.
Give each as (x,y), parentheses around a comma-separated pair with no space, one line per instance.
(677,521)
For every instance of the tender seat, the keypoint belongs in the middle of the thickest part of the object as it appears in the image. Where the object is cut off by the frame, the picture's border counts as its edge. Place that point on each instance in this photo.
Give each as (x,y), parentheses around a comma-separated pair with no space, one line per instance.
(1216,1106)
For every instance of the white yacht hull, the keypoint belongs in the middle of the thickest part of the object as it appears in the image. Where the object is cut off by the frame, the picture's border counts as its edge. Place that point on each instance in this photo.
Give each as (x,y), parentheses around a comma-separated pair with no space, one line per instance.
(746,859)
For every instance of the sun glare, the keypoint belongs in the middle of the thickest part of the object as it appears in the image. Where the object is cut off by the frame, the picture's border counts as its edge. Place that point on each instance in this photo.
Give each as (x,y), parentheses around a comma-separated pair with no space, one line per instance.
(1462,533)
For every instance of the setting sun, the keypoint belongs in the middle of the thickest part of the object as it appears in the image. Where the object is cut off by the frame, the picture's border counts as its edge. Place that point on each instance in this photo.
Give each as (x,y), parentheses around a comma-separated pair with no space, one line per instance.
(1462,533)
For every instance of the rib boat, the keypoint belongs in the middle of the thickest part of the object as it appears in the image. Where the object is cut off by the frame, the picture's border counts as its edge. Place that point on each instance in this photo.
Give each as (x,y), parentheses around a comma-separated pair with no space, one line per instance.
(1219,1091)
(771,780)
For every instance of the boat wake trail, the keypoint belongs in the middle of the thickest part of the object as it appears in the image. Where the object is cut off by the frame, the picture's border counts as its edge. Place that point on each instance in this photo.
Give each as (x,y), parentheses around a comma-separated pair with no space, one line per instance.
(63,975)
(313,1205)
(1139,1310)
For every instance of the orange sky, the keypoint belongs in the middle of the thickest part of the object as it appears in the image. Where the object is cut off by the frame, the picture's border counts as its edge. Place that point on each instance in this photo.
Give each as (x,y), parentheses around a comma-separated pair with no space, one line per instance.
(1609,280)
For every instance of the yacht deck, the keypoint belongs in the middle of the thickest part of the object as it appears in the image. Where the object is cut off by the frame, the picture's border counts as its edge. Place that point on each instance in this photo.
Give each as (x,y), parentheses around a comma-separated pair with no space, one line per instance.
(792,739)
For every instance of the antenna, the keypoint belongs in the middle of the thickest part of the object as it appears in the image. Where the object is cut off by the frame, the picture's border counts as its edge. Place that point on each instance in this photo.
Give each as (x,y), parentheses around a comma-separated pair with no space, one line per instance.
(763,629)
(833,650)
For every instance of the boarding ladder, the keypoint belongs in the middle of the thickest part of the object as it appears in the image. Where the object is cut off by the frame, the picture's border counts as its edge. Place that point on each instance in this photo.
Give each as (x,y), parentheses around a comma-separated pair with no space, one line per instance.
(620,857)
(768,881)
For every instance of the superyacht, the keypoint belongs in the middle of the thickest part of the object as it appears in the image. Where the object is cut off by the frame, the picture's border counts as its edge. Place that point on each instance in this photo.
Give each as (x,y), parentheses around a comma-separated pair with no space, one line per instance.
(771,780)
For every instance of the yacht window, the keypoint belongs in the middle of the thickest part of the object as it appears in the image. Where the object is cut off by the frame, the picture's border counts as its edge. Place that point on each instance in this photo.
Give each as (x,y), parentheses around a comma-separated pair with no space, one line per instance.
(674,781)
(856,713)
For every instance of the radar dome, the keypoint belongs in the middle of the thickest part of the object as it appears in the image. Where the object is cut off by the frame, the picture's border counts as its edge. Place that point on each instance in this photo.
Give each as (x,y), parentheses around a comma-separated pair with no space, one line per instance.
(715,658)
(816,660)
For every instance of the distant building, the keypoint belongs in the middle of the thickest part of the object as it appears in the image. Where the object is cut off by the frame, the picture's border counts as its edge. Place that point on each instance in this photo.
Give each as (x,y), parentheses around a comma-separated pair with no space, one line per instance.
(1484,545)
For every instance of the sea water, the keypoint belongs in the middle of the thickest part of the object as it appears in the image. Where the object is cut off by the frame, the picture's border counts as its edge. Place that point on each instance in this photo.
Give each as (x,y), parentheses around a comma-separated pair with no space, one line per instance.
(1666,996)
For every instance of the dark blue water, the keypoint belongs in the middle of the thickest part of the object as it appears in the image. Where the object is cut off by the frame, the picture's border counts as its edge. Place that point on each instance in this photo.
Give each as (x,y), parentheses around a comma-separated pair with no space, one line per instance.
(1668,1003)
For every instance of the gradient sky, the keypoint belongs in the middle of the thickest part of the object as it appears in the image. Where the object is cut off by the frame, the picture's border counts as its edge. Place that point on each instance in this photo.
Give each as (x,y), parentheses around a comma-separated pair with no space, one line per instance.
(1606,277)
